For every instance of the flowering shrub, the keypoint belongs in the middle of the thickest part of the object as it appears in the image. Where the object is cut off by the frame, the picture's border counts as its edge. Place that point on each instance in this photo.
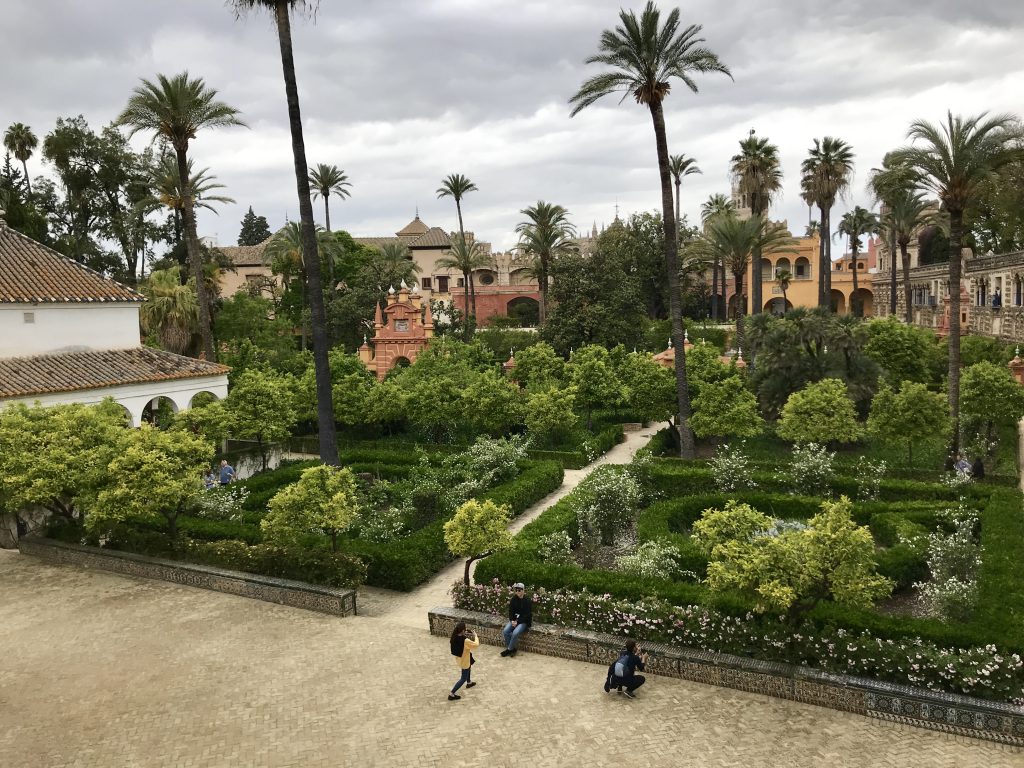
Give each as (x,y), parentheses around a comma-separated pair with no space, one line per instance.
(223,503)
(496,461)
(653,559)
(953,559)
(612,497)
(384,524)
(869,478)
(731,469)
(556,548)
(981,671)
(811,469)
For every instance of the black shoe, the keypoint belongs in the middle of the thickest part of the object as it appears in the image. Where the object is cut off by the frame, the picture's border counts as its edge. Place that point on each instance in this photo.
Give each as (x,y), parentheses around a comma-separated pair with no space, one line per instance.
(506,652)
(629,694)
(470,685)
(512,653)
(453,697)
(607,688)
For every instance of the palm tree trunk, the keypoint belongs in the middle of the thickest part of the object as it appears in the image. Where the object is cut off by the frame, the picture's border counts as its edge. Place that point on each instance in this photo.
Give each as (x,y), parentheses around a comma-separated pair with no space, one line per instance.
(28,181)
(822,302)
(905,258)
(854,299)
(324,404)
(472,296)
(678,184)
(892,273)
(826,225)
(327,213)
(756,273)
(687,449)
(956,231)
(195,258)
(542,284)
(741,310)
(465,303)
(785,301)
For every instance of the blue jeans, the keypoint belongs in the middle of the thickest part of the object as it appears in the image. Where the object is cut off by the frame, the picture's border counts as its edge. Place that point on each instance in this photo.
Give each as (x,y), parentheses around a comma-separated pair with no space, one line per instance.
(462,680)
(512,634)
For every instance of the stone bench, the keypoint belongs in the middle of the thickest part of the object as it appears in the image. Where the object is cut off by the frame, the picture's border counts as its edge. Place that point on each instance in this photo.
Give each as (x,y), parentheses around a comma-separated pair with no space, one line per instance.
(298,594)
(951,713)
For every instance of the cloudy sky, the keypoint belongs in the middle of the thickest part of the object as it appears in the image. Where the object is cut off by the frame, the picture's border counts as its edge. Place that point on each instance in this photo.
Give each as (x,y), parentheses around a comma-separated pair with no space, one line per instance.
(400,93)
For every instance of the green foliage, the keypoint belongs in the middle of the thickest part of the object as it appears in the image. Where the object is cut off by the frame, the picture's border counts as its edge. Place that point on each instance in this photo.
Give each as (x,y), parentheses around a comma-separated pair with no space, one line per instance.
(492,404)
(313,566)
(154,474)
(650,388)
(501,340)
(538,367)
(910,416)
(833,558)
(322,501)
(57,457)
(254,229)
(252,334)
(904,352)
(477,529)
(989,395)
(592,375)
(821,412)
(550,415)
(726,409)
(261,406)
(984,349)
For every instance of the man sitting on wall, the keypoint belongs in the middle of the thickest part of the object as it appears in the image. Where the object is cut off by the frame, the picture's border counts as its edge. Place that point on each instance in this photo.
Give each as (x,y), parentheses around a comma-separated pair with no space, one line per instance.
(520,616)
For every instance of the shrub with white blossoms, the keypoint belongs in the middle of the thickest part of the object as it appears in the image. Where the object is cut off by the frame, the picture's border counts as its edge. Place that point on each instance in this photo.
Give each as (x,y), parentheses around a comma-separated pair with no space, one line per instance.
(869,478)
(810,469)
(731,469)
(494,461)
(612,498)
(983,671)
(384,524)
(655,559)
(953,560)
(223,502)
(556,548)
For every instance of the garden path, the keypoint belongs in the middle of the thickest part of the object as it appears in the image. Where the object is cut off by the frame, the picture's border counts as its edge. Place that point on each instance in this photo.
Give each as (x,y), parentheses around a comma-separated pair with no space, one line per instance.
(410,608)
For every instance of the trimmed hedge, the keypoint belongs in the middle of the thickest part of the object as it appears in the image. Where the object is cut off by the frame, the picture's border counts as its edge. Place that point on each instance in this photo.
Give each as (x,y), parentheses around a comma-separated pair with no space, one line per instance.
(600,443)
(998,618)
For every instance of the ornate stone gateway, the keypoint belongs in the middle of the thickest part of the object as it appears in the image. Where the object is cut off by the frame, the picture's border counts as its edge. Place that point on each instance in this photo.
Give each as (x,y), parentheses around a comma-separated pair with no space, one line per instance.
(400,332)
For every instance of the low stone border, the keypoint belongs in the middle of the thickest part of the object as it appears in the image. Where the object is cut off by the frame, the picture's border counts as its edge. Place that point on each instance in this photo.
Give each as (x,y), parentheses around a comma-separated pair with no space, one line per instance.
(298,594)
(919,707)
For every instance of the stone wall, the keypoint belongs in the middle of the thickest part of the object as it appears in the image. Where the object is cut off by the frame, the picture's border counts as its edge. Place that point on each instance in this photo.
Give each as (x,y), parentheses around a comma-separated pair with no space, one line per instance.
(340,602)
(950,713)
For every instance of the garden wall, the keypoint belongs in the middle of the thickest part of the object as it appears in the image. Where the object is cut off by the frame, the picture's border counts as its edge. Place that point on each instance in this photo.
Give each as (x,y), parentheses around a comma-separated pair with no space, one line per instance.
(919,707)
(340,602)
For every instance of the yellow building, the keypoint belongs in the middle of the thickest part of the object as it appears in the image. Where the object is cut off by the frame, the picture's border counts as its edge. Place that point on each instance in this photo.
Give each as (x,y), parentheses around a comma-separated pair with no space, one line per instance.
(801,262)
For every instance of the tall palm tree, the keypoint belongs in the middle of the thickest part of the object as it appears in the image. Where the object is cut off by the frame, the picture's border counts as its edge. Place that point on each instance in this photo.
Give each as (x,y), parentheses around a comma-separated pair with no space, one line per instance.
(733,241)
(854,224)
(784,277)
(758,177)
(457,186)
(326,180)
(813,229)
(826,175)
(392,266)
(545,235)
(909,210)
(176,109)
(20,141)
(170,310)
(165,185)
(885,184)
(643,55)
(717,205)
(314,284)
(953,159)
(466,258)
(680,166)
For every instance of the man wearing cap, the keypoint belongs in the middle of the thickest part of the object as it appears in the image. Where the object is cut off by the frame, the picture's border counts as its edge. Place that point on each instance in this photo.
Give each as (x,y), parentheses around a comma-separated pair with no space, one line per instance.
(520,616)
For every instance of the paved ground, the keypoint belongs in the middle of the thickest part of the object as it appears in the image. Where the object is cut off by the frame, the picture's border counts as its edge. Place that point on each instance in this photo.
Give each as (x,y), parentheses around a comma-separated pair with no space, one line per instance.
(105,671)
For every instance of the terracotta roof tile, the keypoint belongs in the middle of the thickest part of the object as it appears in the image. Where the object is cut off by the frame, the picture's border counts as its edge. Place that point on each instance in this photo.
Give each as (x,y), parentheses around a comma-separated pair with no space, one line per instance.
(32,273)
(435,237)
(377,242)
(74,371)
(247,255)
(415,227)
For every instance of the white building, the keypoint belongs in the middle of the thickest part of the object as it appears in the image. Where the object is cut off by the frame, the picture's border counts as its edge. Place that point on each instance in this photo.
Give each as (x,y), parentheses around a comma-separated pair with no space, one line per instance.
(70,335)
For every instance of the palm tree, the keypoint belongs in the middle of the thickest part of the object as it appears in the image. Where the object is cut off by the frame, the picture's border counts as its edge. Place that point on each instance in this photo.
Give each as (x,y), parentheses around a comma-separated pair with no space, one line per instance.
(680,166)
(734,240)
(20,142)
(783,277)
(893,186)
(813,229)
(466,257)
(716,205)
(176,109)
(287,256)
(326,180)
(758,177)
(860,221)
(953,159)
(456,186)
(643,55)
(545,235)
(171,310)
(392,266)
(314,283)
(826,174)
(909,211)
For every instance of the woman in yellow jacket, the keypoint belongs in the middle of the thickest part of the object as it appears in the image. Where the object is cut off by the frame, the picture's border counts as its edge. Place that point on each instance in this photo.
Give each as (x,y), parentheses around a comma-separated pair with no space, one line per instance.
(463,643)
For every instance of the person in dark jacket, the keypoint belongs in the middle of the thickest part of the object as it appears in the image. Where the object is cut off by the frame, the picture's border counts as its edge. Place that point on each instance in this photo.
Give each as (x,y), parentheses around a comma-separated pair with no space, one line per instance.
(520,616)
(978,468)
(623,671)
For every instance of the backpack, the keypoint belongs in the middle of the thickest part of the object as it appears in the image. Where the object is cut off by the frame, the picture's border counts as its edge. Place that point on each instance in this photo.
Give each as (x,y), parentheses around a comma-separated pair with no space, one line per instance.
(623,667)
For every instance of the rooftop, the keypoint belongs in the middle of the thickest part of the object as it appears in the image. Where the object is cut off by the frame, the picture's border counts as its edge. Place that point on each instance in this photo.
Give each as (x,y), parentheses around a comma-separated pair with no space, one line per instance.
(75,371)
(31,273)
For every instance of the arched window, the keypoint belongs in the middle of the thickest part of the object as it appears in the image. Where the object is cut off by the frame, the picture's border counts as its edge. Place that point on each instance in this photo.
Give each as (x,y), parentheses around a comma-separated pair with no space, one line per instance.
(766,270)
(803,269)
(782,265)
